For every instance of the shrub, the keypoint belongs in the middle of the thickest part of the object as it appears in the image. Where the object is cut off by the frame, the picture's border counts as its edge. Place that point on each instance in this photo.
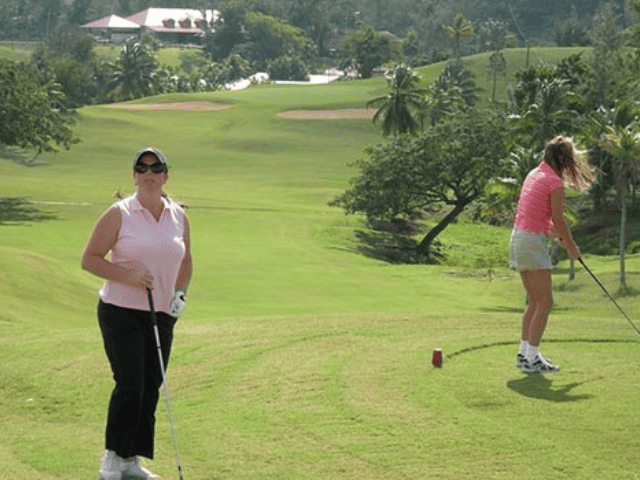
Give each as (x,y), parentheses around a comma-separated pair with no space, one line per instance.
(288,68)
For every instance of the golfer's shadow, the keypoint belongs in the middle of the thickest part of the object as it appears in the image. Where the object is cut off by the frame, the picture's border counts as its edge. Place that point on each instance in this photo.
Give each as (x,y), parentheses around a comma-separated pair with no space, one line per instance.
(540,387)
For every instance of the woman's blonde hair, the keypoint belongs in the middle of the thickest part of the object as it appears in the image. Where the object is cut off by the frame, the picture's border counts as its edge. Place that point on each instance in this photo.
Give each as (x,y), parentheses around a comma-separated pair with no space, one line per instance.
(568,162)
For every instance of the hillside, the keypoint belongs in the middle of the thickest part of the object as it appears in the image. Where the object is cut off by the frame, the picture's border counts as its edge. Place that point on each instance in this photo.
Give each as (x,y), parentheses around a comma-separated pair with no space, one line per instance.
(535,20)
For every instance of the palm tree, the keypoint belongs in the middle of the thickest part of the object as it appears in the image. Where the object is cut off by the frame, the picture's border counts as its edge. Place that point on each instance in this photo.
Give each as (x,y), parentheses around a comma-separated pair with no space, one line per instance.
(397,110)
(599,123)
(461,28)
(548,116)
(623,144)
(134,71)
(497,66)
(454,90)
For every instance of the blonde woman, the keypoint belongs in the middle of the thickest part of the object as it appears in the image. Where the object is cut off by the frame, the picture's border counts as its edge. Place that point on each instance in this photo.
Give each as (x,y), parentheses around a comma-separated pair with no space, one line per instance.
(541,214)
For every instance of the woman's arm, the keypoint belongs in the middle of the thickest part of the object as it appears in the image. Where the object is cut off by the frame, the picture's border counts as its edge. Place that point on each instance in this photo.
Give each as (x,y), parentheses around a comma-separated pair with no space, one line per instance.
(560,224)
(103,237)
(186,268)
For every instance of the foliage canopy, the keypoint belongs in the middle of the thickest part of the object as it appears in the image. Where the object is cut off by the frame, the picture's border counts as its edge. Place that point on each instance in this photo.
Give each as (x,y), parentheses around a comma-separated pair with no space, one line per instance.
(29,113)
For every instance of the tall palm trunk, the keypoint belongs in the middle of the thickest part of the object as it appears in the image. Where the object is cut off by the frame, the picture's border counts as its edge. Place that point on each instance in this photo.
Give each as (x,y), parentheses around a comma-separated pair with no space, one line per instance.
(623,226)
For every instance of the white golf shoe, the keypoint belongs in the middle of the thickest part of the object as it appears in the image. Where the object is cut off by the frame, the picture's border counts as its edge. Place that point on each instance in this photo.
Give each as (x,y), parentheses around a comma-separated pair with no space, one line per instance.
(111,466)
(136,469)
(539,365)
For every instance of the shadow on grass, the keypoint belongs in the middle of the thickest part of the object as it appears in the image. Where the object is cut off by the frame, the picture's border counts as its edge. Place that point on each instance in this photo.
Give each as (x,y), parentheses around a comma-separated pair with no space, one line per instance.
(18,210)
(21,156)
(551,340)
(541,387)
(499,309)
(392,248)
(520,310)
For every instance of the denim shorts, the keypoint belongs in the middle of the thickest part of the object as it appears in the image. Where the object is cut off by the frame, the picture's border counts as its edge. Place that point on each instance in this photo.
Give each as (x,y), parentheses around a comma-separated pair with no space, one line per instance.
(529,251)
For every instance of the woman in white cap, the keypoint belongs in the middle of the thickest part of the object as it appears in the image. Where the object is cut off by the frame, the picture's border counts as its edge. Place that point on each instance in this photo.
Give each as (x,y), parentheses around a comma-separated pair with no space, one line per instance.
(147,236)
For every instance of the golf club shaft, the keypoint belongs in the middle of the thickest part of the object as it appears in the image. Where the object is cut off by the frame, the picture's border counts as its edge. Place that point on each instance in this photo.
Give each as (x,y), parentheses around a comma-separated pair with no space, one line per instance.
(154,319)
(608,294)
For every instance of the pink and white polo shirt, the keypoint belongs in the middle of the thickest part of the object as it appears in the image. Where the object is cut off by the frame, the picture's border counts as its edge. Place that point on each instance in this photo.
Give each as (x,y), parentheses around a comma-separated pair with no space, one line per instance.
(158,245)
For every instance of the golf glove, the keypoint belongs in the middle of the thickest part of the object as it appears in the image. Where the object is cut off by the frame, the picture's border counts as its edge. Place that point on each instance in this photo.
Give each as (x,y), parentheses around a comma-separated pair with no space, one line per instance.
(178,304)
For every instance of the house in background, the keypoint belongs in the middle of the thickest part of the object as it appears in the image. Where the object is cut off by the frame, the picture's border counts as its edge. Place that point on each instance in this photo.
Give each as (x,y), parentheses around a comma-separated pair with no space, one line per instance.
(113,29)
(169,25)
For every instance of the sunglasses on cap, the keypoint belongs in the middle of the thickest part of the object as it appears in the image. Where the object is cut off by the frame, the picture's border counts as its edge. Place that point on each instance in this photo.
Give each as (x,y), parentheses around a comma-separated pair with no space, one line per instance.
(155,168)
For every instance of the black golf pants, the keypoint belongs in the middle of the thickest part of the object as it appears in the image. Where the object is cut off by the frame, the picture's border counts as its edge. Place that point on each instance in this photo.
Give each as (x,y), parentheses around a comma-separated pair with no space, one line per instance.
(130,345)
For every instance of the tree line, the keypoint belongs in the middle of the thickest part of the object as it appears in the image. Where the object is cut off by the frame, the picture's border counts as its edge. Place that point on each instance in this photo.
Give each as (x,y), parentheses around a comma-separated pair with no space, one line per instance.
(325,21)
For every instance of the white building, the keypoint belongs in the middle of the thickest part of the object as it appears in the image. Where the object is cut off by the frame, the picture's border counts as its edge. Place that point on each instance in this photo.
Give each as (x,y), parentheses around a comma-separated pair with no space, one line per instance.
(170,25)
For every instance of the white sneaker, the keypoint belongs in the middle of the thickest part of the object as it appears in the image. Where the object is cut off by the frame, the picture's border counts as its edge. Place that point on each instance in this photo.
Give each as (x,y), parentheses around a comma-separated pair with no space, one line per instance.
(521,361)
(539,365)
(111,466)
(135,469)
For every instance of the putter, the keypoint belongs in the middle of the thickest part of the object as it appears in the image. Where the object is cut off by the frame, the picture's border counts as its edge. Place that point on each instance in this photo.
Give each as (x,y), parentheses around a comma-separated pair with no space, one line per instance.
(608,295)
(154,319)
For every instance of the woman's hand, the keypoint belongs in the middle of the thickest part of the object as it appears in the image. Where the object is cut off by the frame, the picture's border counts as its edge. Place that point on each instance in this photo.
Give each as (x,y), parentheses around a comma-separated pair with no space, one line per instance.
(574,251)
(137,275)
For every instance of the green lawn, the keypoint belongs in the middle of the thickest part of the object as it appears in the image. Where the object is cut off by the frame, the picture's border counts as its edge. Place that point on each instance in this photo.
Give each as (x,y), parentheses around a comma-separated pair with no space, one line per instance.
(299,357)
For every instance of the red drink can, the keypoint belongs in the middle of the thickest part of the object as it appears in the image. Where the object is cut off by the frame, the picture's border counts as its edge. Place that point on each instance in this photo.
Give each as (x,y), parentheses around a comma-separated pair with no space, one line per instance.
(436,359)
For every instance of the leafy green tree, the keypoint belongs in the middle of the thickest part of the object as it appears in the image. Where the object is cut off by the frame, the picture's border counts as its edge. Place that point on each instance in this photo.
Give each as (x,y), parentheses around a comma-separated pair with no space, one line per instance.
(454,89)
(623,143)
(192,60)
(367,49)
(29,115)
(461,28)
(235,68)
(269,38)
(133,73)
(548,115)
(607,60)
(400,110)
(76,80)
(314,18)
(491,35)
(68,53)
(288,68)
(411,44)
(593,129)
(229,30)
(497,67)
(79,12)
(528,81)
(571,31)
(69,40)
(450,164)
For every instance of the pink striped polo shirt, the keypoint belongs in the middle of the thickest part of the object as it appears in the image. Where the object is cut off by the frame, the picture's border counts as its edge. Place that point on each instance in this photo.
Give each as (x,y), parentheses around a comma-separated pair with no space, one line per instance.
(534,206)
(158,245)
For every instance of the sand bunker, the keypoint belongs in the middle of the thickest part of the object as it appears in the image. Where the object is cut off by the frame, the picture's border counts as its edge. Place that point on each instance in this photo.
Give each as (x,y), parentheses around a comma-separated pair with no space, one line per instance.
(329,114)
(184,106)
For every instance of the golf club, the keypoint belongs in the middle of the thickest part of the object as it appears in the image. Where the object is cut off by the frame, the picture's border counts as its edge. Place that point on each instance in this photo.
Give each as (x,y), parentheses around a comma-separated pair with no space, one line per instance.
(608,295)
(154,319)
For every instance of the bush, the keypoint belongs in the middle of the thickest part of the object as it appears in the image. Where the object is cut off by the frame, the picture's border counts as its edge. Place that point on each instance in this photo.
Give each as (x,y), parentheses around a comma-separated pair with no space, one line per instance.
(288,68)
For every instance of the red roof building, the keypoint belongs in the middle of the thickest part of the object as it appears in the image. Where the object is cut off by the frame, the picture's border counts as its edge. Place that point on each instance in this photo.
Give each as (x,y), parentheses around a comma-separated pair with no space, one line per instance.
(171,25)
(175,25)
(114,28)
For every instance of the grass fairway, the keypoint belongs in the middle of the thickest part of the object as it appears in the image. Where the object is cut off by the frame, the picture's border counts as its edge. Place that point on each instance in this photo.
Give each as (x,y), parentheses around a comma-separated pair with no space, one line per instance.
(298,357)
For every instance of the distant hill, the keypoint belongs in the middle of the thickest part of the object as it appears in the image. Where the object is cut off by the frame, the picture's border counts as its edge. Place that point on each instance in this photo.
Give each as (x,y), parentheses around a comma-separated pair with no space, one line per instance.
(535,20)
